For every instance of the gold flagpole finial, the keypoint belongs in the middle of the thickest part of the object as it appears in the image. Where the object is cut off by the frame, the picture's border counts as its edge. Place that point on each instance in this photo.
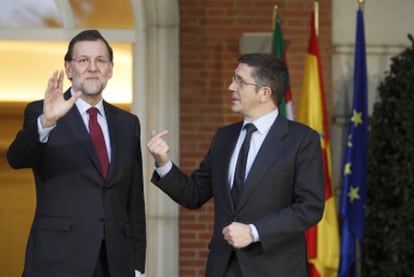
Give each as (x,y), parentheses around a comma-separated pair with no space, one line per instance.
(316,11)
(361,5)
(274,15)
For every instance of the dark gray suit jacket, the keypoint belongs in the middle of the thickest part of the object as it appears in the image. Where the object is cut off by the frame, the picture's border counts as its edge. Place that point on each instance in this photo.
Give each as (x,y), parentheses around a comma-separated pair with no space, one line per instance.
(77,207)
(283,196)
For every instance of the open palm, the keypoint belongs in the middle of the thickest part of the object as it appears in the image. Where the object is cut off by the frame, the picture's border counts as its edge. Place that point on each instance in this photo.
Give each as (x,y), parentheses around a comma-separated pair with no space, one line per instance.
(54,105)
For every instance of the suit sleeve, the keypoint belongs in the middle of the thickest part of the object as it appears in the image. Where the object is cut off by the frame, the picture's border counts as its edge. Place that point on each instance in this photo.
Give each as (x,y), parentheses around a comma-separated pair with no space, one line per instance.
(189,191)
(23,151)
(136,207)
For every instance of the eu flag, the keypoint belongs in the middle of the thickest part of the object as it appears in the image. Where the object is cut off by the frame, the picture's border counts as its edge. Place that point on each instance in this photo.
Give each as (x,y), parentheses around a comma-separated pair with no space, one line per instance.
(355,166)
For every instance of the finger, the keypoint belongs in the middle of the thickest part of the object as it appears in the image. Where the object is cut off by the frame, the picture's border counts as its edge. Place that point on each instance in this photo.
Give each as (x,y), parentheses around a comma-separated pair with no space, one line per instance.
(75,96)
(56,77)
(160,135)
(51,82)
(55,74)
(60,79)
(153,139)
(158,147)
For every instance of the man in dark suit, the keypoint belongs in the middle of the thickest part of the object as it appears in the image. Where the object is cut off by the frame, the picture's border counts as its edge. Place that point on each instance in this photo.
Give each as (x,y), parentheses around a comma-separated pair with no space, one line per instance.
(260,217)
(90,212)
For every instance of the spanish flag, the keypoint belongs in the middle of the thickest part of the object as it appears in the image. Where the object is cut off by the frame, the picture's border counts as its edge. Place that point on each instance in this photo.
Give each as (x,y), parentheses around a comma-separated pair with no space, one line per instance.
(322,239)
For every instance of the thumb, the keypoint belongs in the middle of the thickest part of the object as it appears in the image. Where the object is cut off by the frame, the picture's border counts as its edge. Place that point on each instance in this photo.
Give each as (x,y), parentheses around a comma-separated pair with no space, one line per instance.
(75,96)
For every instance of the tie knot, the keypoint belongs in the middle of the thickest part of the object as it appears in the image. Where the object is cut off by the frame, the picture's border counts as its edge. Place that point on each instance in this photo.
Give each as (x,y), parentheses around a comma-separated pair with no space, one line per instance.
(250,128)
(93,111)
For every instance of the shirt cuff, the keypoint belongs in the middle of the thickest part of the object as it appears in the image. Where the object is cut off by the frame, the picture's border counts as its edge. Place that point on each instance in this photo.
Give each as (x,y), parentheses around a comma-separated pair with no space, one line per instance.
(254,233)
(137,273)
(163,170)
(43,132)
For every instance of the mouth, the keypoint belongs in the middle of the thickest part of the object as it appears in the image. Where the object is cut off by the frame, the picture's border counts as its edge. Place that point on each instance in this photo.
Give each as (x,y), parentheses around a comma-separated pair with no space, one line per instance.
(235,99)
(92,78)
(235,102)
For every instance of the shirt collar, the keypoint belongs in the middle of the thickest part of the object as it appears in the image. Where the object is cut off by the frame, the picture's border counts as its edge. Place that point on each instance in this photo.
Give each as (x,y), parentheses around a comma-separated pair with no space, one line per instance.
(84,106)
(264,123)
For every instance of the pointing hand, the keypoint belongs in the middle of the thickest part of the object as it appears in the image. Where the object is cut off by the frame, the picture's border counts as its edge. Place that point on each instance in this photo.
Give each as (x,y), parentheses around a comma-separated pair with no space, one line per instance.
(158,148)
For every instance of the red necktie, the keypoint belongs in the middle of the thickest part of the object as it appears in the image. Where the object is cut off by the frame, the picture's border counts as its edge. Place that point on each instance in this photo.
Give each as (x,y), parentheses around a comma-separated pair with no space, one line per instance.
(98,140)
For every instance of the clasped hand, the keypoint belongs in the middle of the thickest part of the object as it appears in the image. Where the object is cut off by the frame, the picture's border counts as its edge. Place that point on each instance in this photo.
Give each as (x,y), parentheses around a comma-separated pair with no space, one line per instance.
(238,235)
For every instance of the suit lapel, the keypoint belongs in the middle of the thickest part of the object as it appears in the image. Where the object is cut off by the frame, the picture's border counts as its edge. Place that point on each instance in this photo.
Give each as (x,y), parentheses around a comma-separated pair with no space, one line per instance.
(269,151)
(114,131)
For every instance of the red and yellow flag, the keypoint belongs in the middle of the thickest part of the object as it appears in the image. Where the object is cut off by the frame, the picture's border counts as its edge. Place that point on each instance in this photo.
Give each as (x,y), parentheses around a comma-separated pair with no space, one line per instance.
(322,239)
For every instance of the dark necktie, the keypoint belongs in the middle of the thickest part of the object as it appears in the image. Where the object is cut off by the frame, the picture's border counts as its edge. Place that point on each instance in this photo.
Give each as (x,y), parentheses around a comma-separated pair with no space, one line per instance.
(240,171)
(98,140)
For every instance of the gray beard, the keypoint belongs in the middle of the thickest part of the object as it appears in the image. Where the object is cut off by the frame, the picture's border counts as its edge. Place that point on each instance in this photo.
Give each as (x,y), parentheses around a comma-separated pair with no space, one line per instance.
(88,92)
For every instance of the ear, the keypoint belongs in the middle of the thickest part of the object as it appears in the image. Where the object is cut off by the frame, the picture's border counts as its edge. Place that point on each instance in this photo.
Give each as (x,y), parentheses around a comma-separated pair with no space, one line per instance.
(267,94)
(68,70)
(111,70)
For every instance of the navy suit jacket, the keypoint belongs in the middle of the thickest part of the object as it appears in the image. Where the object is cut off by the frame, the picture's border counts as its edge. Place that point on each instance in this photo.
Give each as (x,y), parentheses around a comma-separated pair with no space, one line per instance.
(76,206)
(283,196)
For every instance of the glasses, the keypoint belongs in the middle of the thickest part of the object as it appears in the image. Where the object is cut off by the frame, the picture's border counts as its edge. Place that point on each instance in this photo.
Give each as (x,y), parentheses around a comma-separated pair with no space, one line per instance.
(85,62)
(240,82)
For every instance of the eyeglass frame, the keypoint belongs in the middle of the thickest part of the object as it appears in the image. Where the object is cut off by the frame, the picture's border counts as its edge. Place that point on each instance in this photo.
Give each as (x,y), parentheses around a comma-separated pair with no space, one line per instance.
(99,62)
(240,82)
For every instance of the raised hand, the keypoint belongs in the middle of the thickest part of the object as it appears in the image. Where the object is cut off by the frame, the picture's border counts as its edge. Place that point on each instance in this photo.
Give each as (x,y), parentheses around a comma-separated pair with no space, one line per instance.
(54,104)
(158,148)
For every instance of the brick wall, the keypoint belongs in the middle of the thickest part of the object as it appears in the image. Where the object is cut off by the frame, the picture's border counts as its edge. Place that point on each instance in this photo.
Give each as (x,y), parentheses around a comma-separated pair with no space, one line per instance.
(209,49)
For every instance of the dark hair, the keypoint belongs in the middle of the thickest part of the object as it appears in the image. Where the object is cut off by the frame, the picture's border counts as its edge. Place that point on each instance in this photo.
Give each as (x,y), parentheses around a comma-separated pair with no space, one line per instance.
(269,71)
(87,35)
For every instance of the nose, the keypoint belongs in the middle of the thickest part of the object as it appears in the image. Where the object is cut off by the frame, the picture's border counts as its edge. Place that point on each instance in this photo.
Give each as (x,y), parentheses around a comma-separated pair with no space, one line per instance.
(232,86)
(92,65)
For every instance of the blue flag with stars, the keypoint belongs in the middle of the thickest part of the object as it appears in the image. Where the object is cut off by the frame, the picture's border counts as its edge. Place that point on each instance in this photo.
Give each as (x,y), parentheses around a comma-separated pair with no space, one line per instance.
(355,166)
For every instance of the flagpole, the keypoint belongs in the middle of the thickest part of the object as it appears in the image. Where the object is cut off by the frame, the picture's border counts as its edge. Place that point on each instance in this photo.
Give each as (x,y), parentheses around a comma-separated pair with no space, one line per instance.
(358,262)
(316,11)
(275,10)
